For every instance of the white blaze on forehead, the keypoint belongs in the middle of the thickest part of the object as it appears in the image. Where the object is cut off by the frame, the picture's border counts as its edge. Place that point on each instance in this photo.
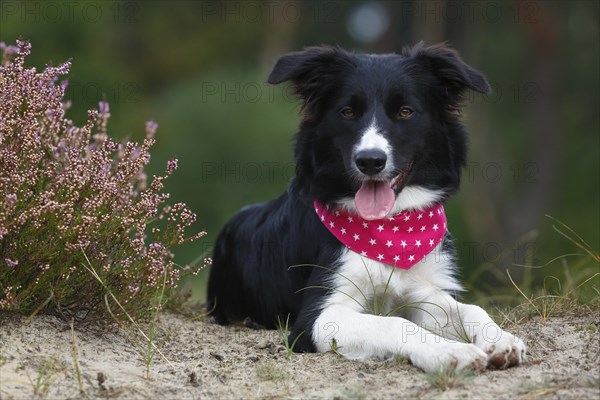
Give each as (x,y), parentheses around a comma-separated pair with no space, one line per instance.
(372,139)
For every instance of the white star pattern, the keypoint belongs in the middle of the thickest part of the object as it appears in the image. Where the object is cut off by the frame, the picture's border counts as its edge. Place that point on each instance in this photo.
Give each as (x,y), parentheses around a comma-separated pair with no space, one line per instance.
(400,240)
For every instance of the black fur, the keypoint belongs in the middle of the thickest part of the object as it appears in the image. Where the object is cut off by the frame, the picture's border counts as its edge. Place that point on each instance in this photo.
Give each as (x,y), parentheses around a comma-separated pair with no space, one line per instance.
(251,274)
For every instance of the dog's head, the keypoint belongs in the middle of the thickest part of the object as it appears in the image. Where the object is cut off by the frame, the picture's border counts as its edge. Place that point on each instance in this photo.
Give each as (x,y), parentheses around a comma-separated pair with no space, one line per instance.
(379,133)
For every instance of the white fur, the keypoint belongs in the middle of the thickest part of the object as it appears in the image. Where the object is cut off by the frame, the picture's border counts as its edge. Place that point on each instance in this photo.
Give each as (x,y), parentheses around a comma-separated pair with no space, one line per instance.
(354,316)
(416,197)
(372,139)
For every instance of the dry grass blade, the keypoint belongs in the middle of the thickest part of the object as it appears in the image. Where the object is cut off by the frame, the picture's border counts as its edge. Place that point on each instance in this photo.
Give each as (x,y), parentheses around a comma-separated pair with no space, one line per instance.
(76,358)
(579,241)
(523,294)
(92,271)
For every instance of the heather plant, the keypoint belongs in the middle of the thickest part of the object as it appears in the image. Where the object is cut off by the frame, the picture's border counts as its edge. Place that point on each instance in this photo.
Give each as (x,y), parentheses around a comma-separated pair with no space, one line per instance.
(72,196)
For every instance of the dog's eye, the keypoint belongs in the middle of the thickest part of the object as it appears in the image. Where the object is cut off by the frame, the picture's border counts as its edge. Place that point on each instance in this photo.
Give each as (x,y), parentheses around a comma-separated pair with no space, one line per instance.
(404,113)
(348,113)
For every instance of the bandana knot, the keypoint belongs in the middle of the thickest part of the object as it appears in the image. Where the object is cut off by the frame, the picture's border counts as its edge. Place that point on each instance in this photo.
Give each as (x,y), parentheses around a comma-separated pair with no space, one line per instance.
(401,240)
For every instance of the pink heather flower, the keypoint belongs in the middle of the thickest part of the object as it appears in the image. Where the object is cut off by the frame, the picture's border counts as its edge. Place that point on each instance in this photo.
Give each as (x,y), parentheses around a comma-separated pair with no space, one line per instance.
(171,166)
(24,48)
(81,197)
(103,107)
(151,128)
(8,50)
(62,69)
(11,199)
(11,263)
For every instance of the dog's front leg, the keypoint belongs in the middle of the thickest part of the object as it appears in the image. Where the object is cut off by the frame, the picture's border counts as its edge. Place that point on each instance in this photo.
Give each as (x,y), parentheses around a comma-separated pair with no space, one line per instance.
(442,314)
(359,336)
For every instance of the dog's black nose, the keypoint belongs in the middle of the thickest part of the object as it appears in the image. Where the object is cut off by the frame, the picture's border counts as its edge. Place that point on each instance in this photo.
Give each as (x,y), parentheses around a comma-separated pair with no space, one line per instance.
(370,162)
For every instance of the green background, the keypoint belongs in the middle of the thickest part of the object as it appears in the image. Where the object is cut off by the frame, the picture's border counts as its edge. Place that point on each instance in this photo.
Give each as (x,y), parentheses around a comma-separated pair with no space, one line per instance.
(199,70)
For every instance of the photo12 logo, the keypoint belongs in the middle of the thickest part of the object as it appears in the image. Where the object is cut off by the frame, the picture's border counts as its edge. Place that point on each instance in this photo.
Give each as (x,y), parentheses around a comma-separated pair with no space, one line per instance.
(112,92)
(469,12)
(270,12)
(55,12)
(249,172)
(495,172)
(236,92)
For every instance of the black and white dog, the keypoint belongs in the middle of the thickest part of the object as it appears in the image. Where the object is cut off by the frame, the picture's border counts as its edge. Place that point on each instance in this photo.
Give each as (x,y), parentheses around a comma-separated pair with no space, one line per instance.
(356,252)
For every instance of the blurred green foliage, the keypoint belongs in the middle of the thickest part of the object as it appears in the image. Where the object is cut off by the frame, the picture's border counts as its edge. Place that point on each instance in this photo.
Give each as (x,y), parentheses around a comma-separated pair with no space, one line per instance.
(198,69)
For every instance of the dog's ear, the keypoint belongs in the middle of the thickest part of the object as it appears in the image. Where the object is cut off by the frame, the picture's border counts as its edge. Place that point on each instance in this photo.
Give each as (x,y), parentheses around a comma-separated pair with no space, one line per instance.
(449,68)
(303,65)
(299,64)
(311,71)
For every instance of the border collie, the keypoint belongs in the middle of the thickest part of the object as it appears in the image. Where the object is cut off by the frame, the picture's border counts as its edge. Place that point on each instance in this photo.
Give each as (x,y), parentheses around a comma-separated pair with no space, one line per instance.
(357,253)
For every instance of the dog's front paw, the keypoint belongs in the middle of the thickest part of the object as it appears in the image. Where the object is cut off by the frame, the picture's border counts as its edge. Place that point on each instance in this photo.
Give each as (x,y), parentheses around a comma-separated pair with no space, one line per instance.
(452,355)
(504,351)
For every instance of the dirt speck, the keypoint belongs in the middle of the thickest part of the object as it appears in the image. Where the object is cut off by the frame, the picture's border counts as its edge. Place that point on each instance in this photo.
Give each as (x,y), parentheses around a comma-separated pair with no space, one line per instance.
(194,379)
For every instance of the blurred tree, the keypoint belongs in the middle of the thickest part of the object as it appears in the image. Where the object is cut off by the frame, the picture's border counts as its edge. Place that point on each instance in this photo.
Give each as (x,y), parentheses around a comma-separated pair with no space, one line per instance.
(198,69)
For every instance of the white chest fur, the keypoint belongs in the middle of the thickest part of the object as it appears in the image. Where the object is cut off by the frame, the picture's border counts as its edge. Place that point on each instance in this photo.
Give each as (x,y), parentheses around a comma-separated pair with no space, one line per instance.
(370,286)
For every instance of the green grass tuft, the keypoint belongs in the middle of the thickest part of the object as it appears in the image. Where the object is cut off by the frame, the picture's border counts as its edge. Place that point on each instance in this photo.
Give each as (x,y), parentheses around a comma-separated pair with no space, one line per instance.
(448,378)
(271,371)
(284,331)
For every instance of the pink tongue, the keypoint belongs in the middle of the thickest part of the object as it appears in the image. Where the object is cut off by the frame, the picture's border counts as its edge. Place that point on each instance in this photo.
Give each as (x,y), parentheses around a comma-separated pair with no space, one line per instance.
(374,200)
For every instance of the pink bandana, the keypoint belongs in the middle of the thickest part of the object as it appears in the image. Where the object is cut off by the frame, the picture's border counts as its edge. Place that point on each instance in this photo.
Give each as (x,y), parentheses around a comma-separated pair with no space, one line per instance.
(401,240)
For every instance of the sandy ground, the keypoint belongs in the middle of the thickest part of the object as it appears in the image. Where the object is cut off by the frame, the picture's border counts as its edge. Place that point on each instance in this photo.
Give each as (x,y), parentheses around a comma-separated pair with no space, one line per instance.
(214,362)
